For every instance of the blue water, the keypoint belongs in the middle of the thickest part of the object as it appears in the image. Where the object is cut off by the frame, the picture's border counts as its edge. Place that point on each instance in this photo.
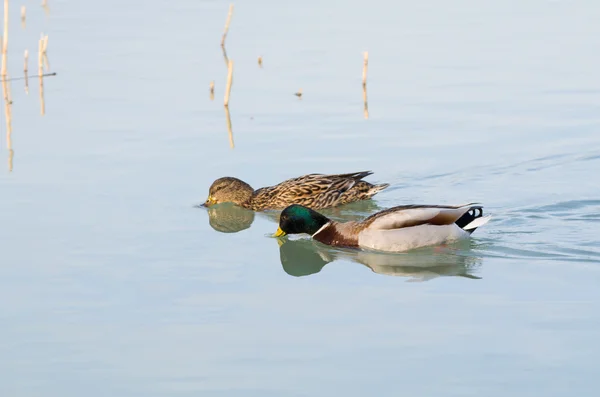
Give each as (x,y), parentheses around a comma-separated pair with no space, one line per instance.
(112,282)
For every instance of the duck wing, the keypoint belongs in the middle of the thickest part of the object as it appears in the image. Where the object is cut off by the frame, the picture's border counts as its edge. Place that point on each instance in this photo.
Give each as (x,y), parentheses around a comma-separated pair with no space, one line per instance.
(405,216)
(314,190)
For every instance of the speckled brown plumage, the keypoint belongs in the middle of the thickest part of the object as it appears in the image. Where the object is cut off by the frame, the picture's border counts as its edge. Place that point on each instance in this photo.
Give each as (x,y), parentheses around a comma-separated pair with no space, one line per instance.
(316,191)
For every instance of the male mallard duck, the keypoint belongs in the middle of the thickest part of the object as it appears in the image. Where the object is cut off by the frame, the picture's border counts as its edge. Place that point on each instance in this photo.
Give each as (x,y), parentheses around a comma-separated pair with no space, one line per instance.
(396,229)
(315,191)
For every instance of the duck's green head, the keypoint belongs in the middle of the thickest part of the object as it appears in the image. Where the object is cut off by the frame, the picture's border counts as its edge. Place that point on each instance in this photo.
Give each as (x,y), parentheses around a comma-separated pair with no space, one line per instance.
(297,219)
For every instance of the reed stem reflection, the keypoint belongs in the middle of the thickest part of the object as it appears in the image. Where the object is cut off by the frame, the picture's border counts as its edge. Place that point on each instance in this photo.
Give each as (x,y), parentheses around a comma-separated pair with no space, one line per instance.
(364,84)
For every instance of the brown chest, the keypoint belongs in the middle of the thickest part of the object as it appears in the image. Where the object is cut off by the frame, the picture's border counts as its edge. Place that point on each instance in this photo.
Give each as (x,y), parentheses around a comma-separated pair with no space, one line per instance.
(337,235)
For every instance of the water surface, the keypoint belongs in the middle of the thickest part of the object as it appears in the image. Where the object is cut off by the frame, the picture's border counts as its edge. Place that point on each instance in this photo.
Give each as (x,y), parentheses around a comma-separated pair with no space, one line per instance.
(112,282)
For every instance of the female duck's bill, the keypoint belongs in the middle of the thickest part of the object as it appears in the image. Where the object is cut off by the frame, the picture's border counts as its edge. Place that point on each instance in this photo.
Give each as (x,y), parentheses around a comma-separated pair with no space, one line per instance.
(209,201)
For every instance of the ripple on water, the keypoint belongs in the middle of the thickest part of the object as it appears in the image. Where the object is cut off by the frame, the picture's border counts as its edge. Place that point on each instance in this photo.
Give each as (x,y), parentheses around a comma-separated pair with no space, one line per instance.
(543,162)
(543,235)
(562,206)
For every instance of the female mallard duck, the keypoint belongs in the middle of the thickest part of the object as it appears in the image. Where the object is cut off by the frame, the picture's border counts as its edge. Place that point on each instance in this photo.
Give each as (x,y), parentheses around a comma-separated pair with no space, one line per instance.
(315,191)
(396,229)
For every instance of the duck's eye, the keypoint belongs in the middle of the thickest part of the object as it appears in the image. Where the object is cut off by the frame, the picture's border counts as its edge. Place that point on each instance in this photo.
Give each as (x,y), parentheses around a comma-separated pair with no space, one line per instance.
(217,188)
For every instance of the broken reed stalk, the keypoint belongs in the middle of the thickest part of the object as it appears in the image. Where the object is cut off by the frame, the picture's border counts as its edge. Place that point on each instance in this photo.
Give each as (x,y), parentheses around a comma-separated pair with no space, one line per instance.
(229,81)
(5,40)
(227,25)
(229,130)
(25,63)
(5,89)
(365,66)
(225,57)
(364,84)
(7,114)
(45,6)
(23,16)
(41,76)
(45,53)
(9,94)
(212,90)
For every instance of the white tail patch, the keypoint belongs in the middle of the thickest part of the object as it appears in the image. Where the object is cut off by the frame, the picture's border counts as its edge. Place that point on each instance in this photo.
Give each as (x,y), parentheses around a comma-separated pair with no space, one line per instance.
(478,222)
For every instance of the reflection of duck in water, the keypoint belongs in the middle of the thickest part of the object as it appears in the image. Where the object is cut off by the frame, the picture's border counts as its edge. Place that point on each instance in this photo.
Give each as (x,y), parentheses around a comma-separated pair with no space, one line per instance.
(228,218)
(305,257)
(316,191)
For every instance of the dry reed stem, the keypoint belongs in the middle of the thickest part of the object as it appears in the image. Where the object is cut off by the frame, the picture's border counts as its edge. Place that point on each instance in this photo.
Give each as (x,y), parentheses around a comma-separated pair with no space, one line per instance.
(8,117)
(5,40)
(225,56)
(365,66)
(45,6)
(45,53)
(364,84)
(9,94)
(260,61)
(5,89)
(7,112)
(25,71)
(41,77)
(229,81)
(229,130)
(23,17)
(11,154)
(227,25)
(212,90)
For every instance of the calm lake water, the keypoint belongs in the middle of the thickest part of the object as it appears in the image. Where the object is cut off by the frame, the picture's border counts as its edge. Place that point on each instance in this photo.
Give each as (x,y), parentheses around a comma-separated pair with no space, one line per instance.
(113,283)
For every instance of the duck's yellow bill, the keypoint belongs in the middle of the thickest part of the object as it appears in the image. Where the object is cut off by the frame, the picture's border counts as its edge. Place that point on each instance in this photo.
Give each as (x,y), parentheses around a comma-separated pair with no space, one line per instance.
(279,233)
(209,201)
